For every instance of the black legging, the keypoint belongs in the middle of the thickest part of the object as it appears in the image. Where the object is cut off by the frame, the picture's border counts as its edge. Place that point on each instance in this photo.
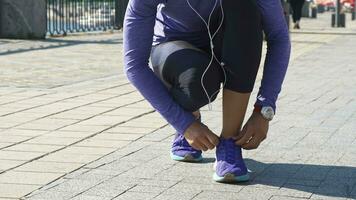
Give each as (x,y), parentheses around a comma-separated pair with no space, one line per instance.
(180,65)
(297,6)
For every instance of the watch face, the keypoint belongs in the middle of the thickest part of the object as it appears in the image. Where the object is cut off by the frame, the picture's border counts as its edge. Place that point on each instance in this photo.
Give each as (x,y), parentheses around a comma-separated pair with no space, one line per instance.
(267,113)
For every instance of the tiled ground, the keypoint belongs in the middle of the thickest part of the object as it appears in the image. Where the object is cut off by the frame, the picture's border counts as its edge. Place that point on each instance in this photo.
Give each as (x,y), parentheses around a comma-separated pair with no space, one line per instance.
(72,127)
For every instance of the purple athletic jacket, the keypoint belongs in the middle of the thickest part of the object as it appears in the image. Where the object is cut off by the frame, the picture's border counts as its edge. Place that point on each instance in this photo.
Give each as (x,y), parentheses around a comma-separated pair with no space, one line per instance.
(150,22)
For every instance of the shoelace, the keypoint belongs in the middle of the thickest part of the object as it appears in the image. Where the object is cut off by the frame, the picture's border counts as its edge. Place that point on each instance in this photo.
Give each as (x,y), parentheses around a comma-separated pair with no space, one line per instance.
(230,152)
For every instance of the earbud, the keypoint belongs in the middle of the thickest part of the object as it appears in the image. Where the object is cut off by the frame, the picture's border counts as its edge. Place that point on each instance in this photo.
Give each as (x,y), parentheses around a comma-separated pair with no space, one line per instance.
(211,37)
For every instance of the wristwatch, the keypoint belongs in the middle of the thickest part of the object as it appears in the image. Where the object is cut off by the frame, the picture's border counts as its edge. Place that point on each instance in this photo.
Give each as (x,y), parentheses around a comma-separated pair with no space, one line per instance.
(267,112)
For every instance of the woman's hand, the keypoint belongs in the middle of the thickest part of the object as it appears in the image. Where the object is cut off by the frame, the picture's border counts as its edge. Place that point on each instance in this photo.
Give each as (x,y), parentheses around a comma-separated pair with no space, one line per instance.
(200,137)
(254,132)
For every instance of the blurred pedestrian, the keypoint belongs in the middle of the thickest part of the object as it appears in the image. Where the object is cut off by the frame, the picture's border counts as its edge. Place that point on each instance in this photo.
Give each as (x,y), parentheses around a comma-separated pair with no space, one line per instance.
(297,6)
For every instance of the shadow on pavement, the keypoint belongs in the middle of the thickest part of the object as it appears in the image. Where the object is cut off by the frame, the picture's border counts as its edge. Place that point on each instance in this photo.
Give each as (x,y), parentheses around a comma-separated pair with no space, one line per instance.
(325,180)
(53,43)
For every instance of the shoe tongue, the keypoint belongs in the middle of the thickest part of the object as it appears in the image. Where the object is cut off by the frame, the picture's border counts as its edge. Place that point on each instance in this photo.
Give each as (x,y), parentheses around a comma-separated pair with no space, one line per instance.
(229,141)
(230,148)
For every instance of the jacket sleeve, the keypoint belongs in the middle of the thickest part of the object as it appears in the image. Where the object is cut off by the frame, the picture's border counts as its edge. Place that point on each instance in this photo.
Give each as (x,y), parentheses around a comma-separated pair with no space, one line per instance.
(278,51)
(137,41)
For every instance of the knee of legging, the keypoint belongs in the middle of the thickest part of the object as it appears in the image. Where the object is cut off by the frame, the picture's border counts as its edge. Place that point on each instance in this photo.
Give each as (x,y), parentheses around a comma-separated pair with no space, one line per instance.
(193,103)
(184,100)
(193,96)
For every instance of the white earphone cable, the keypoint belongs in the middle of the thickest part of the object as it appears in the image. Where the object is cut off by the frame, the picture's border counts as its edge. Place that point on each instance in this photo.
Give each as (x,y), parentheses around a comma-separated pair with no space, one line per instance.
(211,37)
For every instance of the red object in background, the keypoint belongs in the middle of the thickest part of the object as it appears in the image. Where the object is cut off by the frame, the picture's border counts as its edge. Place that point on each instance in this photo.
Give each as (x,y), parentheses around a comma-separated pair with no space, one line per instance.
(326,2)
(350,2)
(331,3)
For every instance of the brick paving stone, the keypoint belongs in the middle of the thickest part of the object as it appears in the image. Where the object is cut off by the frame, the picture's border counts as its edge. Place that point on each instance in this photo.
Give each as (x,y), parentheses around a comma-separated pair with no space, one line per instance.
(69,158)
(212,195)
(87,197)
(52,140)
(87,150)
(13,138)
(135,195)
(106,190)
(16,190)
(280,197)
(117,136)
(7,164)
(102,143)
(18,155)
(50,167)
(33,148)
(5,144)
(31,178)
(178,195)
(53,194)
(23,132)
(147,189)
(69,134)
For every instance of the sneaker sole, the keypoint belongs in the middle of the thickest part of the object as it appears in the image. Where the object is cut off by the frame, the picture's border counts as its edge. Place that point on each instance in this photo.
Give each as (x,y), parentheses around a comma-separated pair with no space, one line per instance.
(186,158)
(231,178)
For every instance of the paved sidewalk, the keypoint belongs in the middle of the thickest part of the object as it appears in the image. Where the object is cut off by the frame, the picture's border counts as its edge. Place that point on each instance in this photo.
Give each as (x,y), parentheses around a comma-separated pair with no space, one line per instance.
(72,127)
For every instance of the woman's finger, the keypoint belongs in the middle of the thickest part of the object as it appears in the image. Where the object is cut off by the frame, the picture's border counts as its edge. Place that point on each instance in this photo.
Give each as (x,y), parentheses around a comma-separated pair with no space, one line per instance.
(247,134)
(252,144)
(201,145)
(206,142)
(214,139)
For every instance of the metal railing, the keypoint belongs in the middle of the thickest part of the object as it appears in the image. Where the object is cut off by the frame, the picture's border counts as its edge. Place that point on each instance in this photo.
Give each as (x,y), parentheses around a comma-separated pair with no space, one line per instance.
(69,16)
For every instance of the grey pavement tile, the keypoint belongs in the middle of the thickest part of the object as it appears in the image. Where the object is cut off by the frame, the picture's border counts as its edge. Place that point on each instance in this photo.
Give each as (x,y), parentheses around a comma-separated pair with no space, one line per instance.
(303,182)
(253,193)
(122,180)
(353,193)
(199,180)
(324,197)
(280,171)
(51,185)
(267,182)
(141,155)
(119,166)
(255,166)
(212,186)
(87,197)
(213,195)
(97,174)
(135,196)
(141,172)
(52,194)
(163,159)
(167,177)
(342,172)
(74,186)
(108,190)
(312,172)
(101,161)
(157,183)
(177,170)
(280,197)
(177,196)
(296,191)
(76,173)
(332,188)
(148,189)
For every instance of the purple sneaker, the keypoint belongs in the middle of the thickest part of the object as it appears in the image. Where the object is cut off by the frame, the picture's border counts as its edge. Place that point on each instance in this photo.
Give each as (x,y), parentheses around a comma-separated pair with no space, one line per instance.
(182,151)
(229,165)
